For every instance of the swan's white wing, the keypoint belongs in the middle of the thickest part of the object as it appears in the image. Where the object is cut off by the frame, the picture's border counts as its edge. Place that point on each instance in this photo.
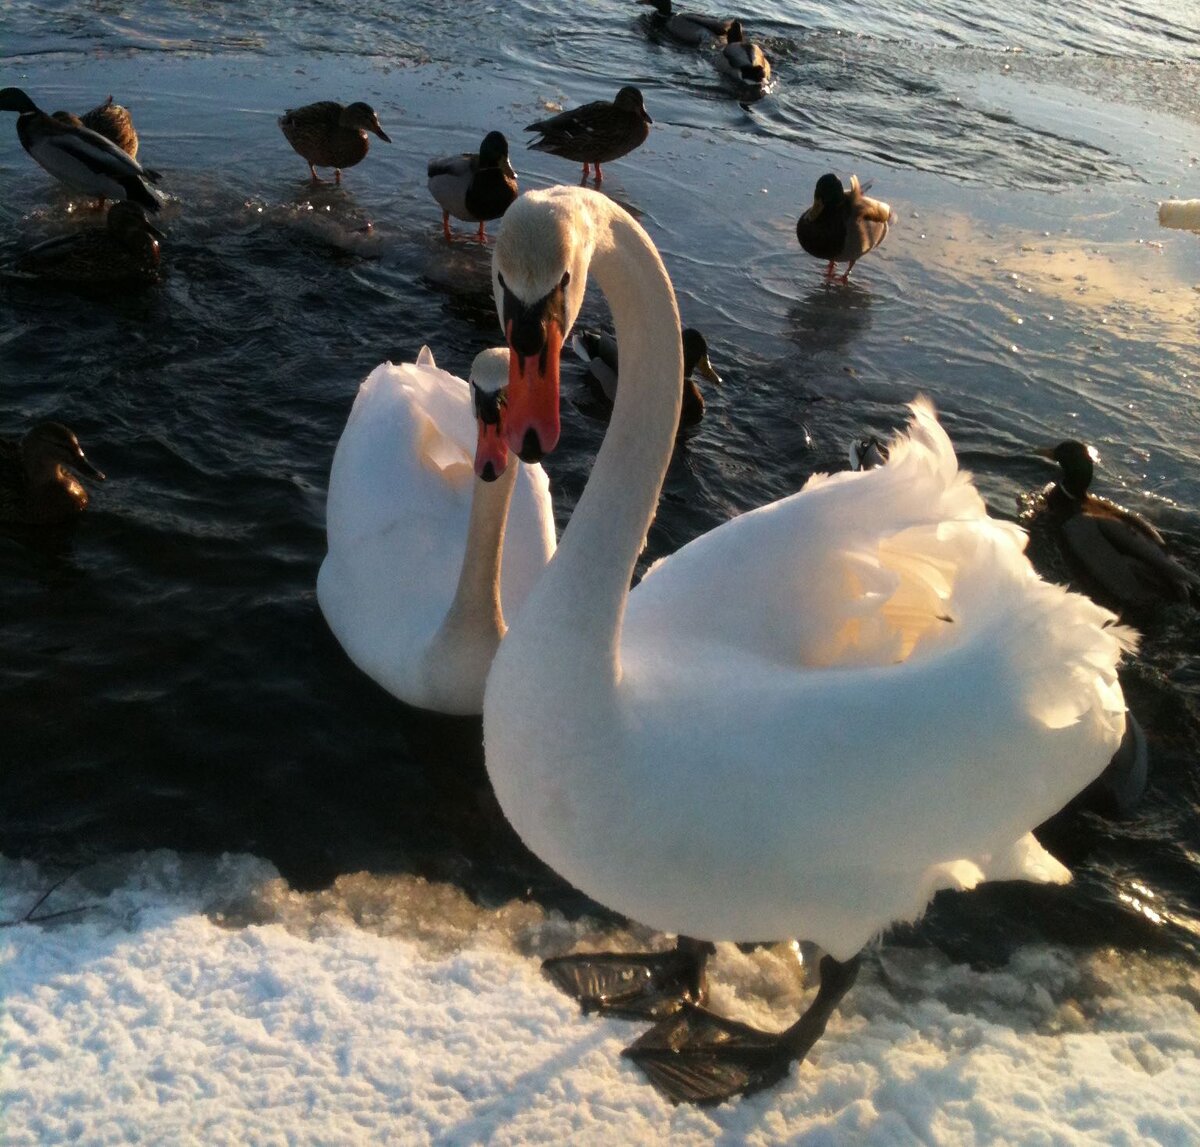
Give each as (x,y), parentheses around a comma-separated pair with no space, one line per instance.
(854,569)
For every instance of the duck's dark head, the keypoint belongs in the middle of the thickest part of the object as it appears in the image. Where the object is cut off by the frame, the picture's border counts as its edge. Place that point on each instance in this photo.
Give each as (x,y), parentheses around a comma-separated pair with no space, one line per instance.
(493,152)
(129,226)
(629,99)
(1077,461)
(15,100)
(51,444)
(695,356)
(662,7)
(362,116)
(828,193)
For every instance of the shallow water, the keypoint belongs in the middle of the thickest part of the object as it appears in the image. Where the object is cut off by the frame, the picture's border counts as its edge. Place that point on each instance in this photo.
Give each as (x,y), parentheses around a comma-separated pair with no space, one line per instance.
(168,680)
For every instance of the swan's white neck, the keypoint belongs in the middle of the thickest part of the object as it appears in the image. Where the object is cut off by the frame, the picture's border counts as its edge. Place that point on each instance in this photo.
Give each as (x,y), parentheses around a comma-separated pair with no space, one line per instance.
(580,601)
(462,649)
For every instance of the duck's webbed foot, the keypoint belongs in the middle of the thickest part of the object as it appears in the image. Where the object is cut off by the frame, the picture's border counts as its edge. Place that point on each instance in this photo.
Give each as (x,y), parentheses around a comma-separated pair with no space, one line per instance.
(635,985)
(695,1056)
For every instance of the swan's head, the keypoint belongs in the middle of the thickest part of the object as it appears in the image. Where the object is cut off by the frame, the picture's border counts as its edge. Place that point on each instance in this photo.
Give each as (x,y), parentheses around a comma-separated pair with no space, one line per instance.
(489,394)
(539,271)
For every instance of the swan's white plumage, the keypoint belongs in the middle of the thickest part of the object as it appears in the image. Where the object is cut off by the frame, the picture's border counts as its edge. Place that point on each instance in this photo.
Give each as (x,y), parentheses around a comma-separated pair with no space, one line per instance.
(815,715)
(397,515)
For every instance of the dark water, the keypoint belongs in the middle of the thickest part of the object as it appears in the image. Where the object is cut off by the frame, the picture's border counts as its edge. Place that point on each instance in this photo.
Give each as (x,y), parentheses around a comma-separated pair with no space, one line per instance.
(167,679)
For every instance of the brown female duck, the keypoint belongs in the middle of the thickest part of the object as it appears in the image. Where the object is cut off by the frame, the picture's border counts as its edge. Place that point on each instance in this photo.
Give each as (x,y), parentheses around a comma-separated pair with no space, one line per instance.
(328,134)
(596,132)
(109,120)
(126,247)
(37,486)
(842,225)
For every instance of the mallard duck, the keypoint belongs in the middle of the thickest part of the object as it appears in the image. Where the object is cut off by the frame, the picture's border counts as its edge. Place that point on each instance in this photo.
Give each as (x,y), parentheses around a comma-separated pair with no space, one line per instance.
(78,156)
(126,247)
(689,27)
(474,186)
(109,120)
(842,226)
(743,60)
(599,351)
(1117,550)
(596,132)
(36,483)
(867,453)
(328,134)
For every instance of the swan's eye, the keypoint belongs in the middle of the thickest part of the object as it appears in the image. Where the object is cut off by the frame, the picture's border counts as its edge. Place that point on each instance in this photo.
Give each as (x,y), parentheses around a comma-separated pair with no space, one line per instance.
(500,280)
(564,280)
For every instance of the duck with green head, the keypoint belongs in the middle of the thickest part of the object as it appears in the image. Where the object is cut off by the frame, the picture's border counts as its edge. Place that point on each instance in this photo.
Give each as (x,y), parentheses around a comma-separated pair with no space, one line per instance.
(842,224)
(474,186)
(79,157)
(1115,549)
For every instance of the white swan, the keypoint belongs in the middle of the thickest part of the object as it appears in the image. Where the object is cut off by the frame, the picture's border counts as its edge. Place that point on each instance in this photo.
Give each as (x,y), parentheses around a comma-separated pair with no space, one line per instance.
(801,724)
(409,585)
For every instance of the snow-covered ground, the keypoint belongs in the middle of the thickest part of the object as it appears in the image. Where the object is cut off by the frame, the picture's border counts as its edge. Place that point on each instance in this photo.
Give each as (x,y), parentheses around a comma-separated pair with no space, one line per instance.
(194,1000)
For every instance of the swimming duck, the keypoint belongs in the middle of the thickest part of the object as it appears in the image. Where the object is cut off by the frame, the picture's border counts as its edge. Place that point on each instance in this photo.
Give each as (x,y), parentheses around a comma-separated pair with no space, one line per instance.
(474,187)
(842,226)
(415,585)
(599,351)
(36,483)
(126,247)
(743,60)
(689,27)
(328,134)
(109,120)
(1117,550)
(867,453)
(596,132)
(802,723)
(78,156)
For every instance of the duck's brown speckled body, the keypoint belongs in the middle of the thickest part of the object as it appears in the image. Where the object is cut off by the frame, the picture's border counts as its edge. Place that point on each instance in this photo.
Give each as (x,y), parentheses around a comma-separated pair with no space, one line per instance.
(110,120)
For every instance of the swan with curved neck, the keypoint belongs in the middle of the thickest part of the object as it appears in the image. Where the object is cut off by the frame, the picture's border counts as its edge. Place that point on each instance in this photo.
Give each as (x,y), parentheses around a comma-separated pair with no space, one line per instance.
(804,722)
(413,585)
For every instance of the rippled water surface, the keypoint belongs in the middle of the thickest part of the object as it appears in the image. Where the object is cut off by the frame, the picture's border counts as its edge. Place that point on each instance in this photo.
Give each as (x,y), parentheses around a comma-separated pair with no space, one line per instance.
(167,679)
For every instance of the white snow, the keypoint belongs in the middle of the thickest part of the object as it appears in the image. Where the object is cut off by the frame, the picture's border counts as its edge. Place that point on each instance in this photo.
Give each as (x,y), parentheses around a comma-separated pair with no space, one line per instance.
(195,1000)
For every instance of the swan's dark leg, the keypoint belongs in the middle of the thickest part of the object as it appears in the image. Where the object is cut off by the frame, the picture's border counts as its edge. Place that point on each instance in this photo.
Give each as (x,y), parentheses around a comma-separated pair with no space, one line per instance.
(638,985)
(697,1057)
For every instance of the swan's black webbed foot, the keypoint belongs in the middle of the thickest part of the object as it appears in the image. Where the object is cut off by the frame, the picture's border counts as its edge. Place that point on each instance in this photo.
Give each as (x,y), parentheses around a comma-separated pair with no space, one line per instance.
(695,1056)
(636,985)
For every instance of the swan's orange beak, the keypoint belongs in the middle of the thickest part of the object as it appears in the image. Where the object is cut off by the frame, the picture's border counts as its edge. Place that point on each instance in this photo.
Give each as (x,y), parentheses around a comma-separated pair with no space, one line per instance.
(531,420)
(491,451)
